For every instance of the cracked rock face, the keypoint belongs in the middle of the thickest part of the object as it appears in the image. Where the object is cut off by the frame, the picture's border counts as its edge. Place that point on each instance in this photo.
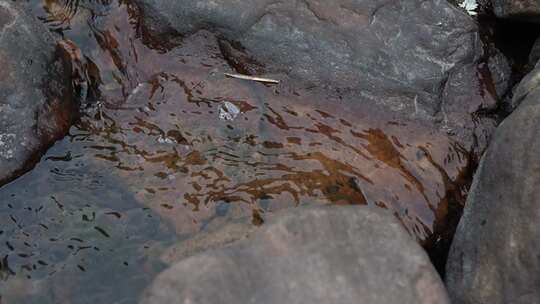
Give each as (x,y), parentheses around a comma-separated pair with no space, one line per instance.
(35,91)
(494,256)
(309,255)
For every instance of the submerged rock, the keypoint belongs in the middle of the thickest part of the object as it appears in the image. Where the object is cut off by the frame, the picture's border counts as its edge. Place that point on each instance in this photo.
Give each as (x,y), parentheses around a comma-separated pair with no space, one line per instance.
(404,138)
(494,255)
(309,255)
(68,229)
(36,102)
(396,123)
(525,10)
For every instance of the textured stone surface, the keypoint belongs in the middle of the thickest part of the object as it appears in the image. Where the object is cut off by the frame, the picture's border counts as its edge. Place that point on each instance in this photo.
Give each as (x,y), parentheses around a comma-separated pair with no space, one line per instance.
(35,91)
(416,57)
(494,256)
(528,84)
(526,10)
(309,255)
(500,71)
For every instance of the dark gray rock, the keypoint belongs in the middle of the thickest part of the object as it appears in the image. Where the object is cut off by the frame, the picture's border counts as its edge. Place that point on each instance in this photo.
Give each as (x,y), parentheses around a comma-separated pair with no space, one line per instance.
(500,72)
(495,254)
(525,10)
(36,103)
(534,56)
(418,58)
(309,255)
(528,84)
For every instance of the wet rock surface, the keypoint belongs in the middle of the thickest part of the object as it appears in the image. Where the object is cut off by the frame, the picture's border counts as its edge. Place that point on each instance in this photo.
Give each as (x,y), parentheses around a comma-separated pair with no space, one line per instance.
(287,146)
(36,98)
(494,256)
(292,117)
(416,57)
(72,233)
(319,255)
(525,10)
(160,125)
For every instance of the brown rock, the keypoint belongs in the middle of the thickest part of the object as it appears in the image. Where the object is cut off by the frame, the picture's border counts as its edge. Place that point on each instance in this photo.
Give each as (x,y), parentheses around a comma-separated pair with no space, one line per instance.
(347,254)
(36,98)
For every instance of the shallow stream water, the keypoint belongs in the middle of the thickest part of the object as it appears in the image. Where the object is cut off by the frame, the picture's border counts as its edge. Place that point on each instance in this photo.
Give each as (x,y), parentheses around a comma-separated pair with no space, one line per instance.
(166,146)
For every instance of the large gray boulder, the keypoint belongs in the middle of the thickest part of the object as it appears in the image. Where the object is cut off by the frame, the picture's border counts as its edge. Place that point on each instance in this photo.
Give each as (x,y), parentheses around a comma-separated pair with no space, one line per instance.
(526,10)
(36,102)
(417,58)
(309,255)
(495,254)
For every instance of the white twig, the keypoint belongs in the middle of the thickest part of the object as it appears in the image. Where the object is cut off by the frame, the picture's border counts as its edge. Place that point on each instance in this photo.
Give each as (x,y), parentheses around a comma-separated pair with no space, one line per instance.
(246,77)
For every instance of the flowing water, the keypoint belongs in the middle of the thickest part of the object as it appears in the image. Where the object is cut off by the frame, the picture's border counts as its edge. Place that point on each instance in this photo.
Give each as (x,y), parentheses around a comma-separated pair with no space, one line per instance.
(166,145)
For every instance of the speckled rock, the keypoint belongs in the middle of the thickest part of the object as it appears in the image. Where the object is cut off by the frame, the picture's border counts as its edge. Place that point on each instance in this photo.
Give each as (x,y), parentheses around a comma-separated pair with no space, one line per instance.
(327,254)
(36,103)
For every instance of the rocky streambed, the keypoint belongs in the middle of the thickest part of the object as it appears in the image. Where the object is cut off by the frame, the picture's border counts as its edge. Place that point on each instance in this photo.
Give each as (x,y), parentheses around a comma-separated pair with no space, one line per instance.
(134,169)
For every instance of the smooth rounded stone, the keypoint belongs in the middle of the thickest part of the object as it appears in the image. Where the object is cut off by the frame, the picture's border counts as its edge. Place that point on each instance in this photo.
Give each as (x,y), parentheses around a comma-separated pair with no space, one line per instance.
(494,255)
(348,254)
(36,102)
(525,10)
(418,58)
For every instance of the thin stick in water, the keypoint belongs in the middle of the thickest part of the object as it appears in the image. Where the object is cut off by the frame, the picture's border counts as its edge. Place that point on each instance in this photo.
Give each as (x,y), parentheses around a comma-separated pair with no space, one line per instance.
(246,77)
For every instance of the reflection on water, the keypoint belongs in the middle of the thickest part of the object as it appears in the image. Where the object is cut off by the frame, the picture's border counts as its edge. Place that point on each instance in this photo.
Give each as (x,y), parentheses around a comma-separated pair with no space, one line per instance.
(151,162)
(71,234)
